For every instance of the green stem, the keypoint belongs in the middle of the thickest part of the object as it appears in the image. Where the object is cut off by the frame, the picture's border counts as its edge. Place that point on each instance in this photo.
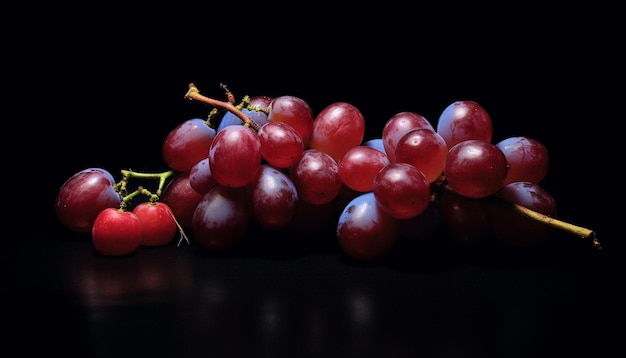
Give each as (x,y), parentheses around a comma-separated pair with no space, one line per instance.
(162,176)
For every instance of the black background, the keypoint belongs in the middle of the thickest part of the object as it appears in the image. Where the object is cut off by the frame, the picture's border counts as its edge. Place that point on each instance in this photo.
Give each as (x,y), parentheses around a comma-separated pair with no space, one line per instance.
(103,88)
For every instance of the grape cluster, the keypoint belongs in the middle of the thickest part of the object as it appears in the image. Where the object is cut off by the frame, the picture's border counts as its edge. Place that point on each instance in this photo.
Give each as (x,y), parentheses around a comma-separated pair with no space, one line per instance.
(273,162)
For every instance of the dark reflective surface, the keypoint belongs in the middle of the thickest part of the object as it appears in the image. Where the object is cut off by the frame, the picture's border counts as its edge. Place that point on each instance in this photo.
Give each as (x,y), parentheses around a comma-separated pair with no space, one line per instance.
(272,299)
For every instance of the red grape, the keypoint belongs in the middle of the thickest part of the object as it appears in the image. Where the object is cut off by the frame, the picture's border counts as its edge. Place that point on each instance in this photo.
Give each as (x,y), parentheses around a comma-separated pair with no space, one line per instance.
(401,190)
(187,144)
(182,199)
(364,230)
(200,177)
(397,126)
(475,168)
(235,156)
(337,128)
(281,145)
(83,196)
(221,218)
(359,166)
(273,196)
(464,120)
(527,157)
(424,149)
(116,232)
(295,112)
(157,224)
(316,176)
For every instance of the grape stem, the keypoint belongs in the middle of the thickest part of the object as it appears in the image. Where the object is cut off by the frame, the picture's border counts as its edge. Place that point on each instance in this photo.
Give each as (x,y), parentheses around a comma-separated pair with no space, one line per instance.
(194,94)
(567,227)
(559,224)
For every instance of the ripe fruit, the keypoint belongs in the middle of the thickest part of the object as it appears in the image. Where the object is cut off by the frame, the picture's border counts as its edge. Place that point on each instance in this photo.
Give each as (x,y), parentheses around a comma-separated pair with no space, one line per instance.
(116,232)
(295,112)
(187,144)
(272,163)
(157,223)
(364,230)
(401,190)
(83,196)
(527,158)
(235,156)
(475,168)
(316,176)
(337,128)
(359,166)
(464,120)
(221,218)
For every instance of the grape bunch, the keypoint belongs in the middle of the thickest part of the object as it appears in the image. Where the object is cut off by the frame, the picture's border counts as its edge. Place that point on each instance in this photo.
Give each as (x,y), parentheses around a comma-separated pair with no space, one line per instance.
(273,162)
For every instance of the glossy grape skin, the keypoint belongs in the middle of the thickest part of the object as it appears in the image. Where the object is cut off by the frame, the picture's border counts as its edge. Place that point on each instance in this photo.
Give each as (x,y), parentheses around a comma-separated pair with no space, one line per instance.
(235,156)
(200,176)
(527,157)
(273,198)
(464,120)
(364,230)
(359,166)
(465,221)
(116,232)
(475,168)
(424,149)
(397,126)
(83,196)
(187,144)
(157,224)
(337,128)
(221,218)
(182,199)
(316,176)
(515,229)
(259,117)
(281,145)
(401,190)
(294,111)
